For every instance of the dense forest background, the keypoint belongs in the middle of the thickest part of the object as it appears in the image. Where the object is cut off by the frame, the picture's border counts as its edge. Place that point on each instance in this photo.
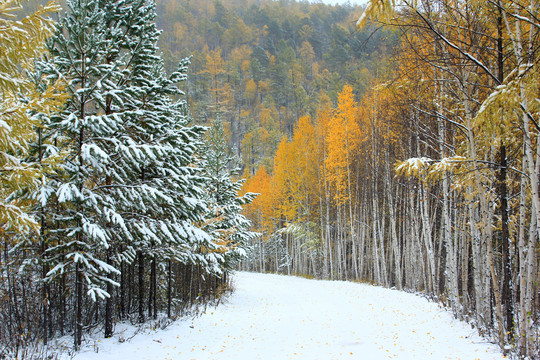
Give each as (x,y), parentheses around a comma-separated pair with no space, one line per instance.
(261,65)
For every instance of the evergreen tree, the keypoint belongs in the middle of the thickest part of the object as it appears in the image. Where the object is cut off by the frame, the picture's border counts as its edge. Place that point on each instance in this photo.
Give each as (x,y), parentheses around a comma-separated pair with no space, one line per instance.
(165,228)
(225,221)
(91,130)
(128,188)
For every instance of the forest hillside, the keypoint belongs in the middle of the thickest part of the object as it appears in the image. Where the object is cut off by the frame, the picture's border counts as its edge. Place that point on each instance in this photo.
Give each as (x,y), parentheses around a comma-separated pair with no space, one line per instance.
(261,65)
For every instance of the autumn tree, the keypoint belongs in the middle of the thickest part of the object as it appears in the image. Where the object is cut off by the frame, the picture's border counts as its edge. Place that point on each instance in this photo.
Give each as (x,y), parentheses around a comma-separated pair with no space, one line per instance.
(473,135)
(23,40)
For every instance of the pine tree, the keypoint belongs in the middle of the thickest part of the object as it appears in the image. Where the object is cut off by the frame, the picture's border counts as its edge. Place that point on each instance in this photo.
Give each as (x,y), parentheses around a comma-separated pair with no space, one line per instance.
(91,130)
(225,222)
(164,223)
(129,189)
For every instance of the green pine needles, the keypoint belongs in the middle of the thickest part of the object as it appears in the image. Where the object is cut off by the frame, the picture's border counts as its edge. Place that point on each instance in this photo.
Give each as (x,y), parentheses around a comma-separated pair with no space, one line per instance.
(115,212)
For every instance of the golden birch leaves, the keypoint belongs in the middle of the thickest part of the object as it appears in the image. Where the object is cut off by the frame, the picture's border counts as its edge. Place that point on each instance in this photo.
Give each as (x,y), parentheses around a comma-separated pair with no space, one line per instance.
(21,41)
(425,168)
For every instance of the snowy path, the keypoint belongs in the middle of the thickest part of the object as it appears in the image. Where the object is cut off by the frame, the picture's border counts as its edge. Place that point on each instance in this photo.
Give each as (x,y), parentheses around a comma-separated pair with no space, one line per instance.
(277,317)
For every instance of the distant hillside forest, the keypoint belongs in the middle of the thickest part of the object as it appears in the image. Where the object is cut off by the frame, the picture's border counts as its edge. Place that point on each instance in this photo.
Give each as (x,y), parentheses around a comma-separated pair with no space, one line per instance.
(260,65)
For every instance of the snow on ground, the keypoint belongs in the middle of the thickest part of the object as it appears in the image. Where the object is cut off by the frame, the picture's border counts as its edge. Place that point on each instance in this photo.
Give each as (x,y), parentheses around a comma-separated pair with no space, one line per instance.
(278,317)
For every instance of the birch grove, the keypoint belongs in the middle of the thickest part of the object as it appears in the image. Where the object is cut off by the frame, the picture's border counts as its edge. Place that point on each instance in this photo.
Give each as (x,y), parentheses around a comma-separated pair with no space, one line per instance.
(440,193)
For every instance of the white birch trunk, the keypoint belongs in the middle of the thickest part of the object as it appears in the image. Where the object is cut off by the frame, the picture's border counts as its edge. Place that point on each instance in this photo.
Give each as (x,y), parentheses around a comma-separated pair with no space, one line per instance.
(396,251)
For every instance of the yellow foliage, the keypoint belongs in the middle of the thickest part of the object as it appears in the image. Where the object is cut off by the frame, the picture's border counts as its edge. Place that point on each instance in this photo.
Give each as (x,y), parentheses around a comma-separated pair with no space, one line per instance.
(291,193)
(263,86)
(21,41)
(382,10)
(260,211)
(251,90)
(342,137)
(179,30)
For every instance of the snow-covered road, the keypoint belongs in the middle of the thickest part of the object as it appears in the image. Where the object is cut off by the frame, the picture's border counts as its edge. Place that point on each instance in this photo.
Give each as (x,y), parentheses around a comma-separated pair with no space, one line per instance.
(277,317)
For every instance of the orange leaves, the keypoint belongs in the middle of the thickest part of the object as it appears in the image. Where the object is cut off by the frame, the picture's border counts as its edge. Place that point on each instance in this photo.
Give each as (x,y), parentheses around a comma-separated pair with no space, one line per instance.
(321,161)
(291,193)
(318,153)
(343,137)
(261,209)
(296,172)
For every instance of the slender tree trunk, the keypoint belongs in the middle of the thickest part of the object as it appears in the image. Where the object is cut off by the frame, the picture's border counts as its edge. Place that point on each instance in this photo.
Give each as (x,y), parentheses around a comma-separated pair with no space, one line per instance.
(350,201)
(396,251)
(62,317)
(505,238)
(169,288)
(78,274)
(109,303)
(362,235)
(11,303)
(427,236)
(79,305)
(141,286)
(486,228)
(328,232)
(375,237)
(151,289)
(46,286)
(45,290)
(466,261)
(122,301)
(130,284)
(154,287)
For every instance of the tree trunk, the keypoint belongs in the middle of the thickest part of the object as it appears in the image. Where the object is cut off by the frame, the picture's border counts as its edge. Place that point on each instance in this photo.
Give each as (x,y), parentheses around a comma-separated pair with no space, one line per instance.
(109,303)
(505,238)
(141,286)
(154,287)
(396,251)
(122,301)
(79,305)
(169,288)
